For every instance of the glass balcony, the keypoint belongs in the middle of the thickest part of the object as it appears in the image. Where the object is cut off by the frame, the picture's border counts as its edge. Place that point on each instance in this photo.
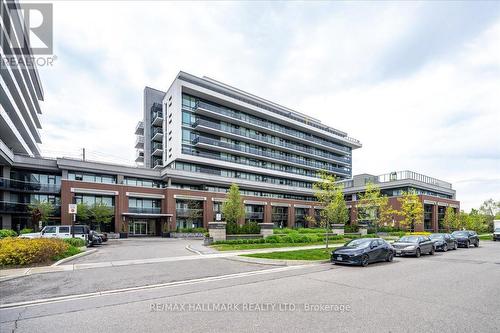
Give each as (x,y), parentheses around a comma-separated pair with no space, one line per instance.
(346,160)
(17,185)
(139,141)
(23,208)
(144,210)
(157,118)
(139,128)
(254,216)
(189,212)
(157,134)
(157,149)
(268,125)
(275,156)
(157,163)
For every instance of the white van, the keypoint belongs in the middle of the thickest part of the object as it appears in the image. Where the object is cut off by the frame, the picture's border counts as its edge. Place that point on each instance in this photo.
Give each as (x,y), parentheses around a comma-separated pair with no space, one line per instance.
(60,231)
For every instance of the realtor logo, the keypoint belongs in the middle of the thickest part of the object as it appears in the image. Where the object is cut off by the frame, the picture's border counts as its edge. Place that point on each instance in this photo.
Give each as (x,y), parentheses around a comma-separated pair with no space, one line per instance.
(30,27)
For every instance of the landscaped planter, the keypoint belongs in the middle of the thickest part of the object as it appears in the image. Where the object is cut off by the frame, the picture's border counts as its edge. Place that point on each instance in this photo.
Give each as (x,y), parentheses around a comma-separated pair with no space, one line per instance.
(208,240)
(243,236)
(190,235)
(123,235)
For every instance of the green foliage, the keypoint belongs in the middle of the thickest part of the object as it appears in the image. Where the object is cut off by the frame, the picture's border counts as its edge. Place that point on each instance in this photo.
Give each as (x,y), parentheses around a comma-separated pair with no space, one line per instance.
(412,209)
(40,211)
(71,251)
(329,193)
(26,231)
(314,254)
(192,230)
(247,228)
(450,218)
(82,212)
(374,208)
(474,221)
(7,233)
(101,213)
(76,242)
(233,208)
(290,238)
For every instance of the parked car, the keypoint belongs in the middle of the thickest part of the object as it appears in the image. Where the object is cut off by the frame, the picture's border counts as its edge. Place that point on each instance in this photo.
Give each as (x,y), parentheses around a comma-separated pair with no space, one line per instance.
(466,238)
(363,251)
(103,235)
(444,242)
(94,238)
(61,231)
(414,246)
(496,234)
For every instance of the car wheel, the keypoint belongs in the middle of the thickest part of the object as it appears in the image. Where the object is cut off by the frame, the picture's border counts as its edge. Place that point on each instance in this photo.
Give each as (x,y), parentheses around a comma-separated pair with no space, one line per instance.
(455,246)
(432,251)
(417,253)
(467,245)
(390,256)
(476,244)
(445,248)
(364,260)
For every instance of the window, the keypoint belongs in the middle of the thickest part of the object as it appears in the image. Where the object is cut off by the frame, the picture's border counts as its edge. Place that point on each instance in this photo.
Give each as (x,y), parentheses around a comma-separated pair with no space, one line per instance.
(64,230)
(50,230)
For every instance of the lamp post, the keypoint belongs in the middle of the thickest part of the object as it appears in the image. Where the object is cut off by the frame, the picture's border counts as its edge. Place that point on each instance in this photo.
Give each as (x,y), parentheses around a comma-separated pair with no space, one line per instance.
(72,210)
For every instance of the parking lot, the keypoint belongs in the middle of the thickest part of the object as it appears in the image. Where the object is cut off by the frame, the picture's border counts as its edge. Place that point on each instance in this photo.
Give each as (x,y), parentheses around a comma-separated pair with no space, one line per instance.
(448,292)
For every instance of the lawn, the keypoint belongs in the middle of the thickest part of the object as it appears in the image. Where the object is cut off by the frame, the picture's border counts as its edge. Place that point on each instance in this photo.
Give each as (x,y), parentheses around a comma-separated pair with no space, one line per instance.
(235,247)
(486,237)
(314,254)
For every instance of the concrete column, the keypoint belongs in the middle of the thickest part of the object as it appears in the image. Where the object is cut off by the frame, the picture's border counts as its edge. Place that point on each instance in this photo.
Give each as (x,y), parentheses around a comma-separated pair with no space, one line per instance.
(217,231)
(310,212)
(208,212)
(435,224)
(119,179)
(266,229)
(338,229)
(291,217)
(268,214)
(354,215)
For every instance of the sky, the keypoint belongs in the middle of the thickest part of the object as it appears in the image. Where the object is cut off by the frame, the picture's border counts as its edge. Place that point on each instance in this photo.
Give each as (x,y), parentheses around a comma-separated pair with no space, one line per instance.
(418,83)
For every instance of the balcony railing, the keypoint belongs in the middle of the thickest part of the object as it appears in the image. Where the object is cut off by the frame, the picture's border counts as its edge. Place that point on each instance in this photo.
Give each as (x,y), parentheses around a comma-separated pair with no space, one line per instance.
(189,212)
(19,185)
(139,128)
(157,118)
(252,151)
(279,217)
(271,140)
(139,141)
(23,208)
(269,125)
(142,210)
(254,216)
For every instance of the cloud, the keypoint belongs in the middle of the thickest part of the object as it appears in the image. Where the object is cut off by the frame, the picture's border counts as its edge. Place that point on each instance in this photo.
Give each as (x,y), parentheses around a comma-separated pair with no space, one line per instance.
(417,82)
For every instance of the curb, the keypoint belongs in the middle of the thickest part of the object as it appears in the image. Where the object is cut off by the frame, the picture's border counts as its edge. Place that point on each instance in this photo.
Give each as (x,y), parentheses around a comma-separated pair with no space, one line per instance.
(188,247)
(78,255)
(276,262)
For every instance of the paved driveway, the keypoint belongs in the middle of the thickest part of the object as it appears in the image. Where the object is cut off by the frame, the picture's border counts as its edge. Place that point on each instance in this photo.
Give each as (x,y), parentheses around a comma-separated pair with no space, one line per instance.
(138,248)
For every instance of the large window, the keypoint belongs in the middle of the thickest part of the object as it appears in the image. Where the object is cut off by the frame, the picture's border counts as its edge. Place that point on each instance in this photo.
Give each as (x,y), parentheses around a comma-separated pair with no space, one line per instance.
(143,182)
(92,177)
(144,206)
(91,199)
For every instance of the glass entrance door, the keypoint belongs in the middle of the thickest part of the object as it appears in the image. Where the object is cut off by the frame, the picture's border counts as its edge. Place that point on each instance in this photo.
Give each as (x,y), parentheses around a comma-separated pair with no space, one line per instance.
(139,228)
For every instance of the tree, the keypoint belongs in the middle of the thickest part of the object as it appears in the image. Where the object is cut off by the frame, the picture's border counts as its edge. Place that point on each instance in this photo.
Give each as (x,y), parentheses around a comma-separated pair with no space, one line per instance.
(329,193)
(491,210)
(374,207)
(476,221)
(233,208)
(412,210)
(450,218)
(194,212)
(82,212)
(40,211)
(101,213)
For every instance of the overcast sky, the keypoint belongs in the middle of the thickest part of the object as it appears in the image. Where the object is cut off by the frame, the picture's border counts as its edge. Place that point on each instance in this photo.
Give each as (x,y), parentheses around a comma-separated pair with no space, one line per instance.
(418,83)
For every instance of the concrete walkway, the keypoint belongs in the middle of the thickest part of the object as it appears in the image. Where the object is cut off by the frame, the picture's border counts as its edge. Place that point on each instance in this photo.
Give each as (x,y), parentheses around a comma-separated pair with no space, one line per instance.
(8,274)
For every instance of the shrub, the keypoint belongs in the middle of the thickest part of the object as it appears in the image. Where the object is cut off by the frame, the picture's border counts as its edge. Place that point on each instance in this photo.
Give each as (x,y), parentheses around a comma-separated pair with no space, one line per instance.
(351,228)
(246,229)
(76,242)
(422,233)
(7,233)
(192,230)
(26,231)
(21,251)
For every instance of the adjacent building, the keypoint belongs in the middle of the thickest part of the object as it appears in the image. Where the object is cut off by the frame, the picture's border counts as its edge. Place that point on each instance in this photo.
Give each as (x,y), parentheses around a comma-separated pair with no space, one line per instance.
(20,90)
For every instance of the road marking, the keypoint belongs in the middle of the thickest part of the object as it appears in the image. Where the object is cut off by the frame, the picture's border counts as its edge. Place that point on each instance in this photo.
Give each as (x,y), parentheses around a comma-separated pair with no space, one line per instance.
(152,286)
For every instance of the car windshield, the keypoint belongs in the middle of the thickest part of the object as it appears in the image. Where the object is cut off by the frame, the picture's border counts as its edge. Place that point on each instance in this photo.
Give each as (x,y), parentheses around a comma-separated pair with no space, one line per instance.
(360,243)
(437,236)
(460,233)
(497,230)
(409,239)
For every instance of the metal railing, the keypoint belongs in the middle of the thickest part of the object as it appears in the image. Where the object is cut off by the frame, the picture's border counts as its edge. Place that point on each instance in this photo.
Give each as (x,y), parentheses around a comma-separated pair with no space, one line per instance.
(402,175)
(13,184)
(187,212)
(254,216)
(20,207)
(142,210)
(252,151)
(271,140)
(269,125)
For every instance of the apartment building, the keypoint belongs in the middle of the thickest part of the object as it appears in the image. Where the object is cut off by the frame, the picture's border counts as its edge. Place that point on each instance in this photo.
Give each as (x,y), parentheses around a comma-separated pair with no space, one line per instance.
(20,90)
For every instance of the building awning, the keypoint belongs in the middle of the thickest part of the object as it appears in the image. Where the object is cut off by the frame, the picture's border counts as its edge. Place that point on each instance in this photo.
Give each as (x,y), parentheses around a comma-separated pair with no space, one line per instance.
(146,215)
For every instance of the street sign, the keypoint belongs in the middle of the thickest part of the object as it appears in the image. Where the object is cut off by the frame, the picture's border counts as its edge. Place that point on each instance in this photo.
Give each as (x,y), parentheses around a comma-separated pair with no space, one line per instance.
(40,224)
(218,216)
(72,208)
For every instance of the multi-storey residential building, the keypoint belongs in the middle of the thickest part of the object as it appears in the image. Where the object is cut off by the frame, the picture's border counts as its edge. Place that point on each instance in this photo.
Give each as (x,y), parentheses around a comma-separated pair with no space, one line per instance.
(20,90)
(196,139)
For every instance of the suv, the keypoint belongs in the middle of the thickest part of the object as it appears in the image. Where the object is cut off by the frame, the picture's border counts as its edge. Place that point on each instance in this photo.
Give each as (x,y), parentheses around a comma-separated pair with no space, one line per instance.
(496,234)
(466,238)
(61,231)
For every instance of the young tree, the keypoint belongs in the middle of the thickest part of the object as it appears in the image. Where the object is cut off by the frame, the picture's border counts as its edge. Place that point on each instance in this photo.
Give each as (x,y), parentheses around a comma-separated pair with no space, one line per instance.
(40,211)
(233,208)
(194,212)
(450,218)
(329,193)
(412,210)
(374,207)
(100,213)
(82,212)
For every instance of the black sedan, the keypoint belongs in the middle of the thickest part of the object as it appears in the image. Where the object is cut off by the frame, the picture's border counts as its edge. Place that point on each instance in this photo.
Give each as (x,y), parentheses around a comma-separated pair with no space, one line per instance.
(444,242)
(363,251)
(466,238)
(413,246)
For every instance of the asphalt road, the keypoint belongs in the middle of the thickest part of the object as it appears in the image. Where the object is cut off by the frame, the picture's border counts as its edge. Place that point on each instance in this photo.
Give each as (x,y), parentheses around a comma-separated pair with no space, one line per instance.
(450,292)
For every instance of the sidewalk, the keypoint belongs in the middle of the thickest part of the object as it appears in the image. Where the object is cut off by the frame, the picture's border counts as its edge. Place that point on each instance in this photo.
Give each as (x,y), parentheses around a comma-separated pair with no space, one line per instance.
(7,274)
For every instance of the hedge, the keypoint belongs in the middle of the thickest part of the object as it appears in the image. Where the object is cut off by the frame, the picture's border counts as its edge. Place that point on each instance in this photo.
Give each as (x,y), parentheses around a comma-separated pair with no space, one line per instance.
(26,231)
(191,230)
(289,238)
(76,242)
(22,251)
(7,233)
